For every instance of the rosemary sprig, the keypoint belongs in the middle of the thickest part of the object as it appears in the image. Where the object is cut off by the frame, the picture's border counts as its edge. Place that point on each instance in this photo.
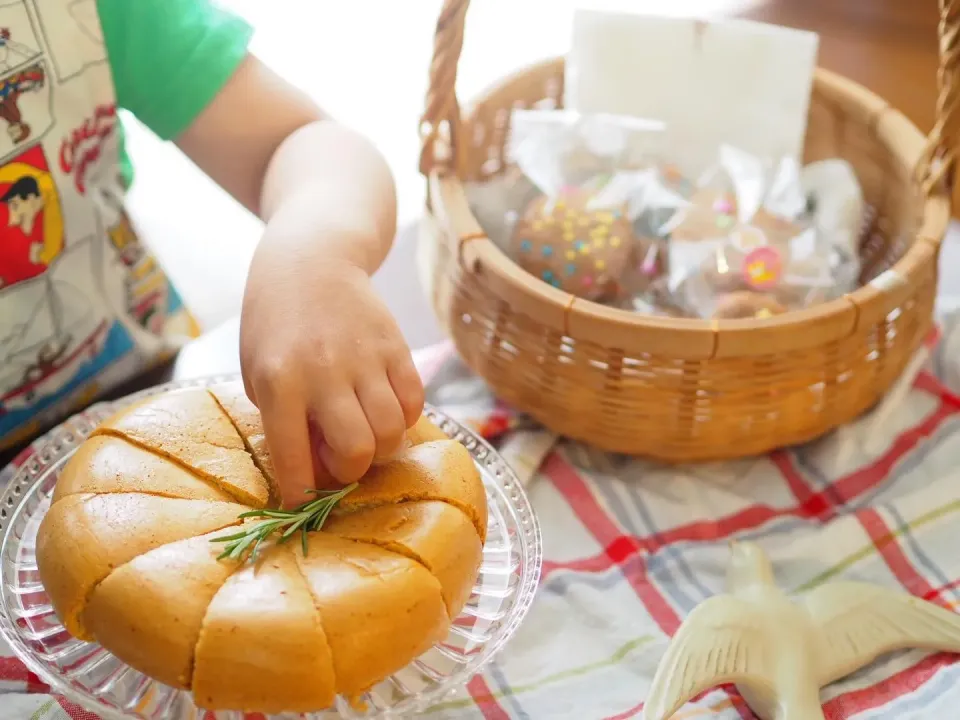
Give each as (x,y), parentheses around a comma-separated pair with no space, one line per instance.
(306,518)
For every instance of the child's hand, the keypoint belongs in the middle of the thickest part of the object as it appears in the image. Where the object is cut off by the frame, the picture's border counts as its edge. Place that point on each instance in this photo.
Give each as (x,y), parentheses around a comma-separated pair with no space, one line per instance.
(323,359)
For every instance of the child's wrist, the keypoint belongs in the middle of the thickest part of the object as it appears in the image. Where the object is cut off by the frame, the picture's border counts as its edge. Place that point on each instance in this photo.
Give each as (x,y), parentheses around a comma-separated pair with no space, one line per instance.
(316,245)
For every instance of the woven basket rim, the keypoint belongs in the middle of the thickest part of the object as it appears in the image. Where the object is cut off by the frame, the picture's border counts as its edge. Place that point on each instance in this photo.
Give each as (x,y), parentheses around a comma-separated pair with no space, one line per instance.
(697,339)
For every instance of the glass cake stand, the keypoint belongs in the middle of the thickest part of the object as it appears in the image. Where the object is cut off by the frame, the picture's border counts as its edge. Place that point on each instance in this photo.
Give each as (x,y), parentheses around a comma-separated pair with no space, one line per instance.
(90,676)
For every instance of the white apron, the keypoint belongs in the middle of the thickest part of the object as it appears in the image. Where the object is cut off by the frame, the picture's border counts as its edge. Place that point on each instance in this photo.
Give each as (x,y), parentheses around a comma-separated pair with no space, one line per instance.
(83,305)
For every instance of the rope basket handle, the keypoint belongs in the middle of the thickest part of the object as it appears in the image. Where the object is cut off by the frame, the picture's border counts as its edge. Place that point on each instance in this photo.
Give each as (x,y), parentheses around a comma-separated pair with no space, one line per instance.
(440,123)
(938,163)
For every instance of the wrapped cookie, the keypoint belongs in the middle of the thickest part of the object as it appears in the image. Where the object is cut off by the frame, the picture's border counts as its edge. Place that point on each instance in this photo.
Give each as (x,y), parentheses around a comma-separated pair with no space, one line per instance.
(748,275)
(585,231)
(582,249)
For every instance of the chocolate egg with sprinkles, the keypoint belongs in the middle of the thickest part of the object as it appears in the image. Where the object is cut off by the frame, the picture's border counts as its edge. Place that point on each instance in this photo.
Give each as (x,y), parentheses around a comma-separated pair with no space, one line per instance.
(582,250)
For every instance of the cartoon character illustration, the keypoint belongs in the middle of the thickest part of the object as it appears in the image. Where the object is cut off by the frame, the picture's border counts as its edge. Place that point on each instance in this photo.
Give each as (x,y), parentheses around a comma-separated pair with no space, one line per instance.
(11,89)
(37,353)
(33,234)
(146,284)
(12,53)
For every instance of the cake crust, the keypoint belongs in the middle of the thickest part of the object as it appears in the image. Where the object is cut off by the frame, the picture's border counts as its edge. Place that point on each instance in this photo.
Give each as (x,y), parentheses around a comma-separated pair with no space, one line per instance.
(127,555)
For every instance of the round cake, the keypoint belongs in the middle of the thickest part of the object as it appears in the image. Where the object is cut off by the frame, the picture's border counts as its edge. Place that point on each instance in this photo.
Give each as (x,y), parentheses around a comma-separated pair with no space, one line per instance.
(129,558)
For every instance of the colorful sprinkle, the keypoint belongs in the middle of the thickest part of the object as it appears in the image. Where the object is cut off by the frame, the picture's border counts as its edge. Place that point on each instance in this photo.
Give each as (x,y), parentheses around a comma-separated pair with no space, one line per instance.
(615,241)
(571,255)
(538,225)
(587,281)
(600,265)
(546,250)
(599,242)
(761,268)
(525,246)
(547,275)
(584,249)
(570,268)
(723,205)
(649,266)
(555,283)
(569,235)
(579,245)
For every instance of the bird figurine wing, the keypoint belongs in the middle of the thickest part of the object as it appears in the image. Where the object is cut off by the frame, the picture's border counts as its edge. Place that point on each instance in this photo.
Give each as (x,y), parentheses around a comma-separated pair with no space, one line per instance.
(722,641)
(859,622)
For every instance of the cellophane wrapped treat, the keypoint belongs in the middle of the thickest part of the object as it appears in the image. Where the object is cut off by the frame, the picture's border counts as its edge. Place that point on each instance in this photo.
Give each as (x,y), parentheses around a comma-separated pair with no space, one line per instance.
(593,205)
(574,214)
(749,242)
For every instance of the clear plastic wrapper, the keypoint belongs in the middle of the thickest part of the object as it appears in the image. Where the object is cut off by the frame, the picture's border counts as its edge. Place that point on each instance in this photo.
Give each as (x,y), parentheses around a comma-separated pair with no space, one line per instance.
(593,206)
(750,243)
(582,228)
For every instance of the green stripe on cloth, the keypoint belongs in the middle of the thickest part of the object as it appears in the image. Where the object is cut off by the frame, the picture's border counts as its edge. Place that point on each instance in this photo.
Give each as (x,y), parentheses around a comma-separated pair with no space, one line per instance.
(872,548)
(614,659)
(43,710)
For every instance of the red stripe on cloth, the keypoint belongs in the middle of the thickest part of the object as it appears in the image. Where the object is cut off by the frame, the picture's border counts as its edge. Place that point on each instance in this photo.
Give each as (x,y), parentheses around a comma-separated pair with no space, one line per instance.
(809,502)
(619,546)
(930,383)
(893,555)
(896,686)
(75,711)
(625,546)
(952,585)
(632,712)
(583,503)
(856,483)
(735,700)
(823,505)
(14,671)
(484,699)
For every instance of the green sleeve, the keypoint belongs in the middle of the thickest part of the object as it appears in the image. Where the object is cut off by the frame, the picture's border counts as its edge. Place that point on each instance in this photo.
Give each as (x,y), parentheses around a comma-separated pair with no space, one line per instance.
(169,58)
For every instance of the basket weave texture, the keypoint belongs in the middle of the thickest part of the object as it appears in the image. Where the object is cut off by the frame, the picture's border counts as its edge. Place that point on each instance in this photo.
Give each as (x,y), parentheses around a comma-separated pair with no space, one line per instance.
(682,390)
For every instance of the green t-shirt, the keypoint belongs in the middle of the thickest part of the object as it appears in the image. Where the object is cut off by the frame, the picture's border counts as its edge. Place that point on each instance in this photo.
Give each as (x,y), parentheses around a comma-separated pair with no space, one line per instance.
(169,58)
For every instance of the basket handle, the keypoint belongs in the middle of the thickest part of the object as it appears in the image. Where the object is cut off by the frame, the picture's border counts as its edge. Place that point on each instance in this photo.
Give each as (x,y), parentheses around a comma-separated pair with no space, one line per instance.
(937,165)
(440,123)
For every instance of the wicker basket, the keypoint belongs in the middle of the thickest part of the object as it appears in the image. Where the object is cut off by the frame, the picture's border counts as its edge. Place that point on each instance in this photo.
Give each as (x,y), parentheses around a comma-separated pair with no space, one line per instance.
(687,389)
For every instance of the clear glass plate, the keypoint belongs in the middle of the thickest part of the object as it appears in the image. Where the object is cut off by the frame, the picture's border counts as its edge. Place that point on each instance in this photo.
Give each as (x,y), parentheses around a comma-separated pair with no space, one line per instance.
(90,676)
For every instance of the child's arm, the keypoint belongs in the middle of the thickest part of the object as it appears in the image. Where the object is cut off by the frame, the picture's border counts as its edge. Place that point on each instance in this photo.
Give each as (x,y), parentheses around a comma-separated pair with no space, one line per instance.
(320,352)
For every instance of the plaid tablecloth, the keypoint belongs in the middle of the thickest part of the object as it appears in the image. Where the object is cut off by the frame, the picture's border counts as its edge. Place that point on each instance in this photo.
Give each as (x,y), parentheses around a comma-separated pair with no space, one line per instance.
(631,547)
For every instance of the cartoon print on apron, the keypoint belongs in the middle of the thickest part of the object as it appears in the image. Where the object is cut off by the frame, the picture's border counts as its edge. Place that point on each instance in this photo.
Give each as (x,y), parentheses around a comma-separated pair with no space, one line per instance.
(83,305)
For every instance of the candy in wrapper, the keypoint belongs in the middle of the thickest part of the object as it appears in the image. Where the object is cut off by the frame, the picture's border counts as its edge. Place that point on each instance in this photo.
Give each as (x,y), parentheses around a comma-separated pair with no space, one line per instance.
(749,244)
(584,233)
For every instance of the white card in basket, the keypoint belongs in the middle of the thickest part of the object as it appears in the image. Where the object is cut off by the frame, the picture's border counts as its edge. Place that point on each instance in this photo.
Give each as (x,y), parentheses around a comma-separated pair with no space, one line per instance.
(713,83)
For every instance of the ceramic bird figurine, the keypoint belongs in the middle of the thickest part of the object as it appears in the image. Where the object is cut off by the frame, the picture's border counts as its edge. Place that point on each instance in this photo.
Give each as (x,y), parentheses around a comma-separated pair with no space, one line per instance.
(780,653)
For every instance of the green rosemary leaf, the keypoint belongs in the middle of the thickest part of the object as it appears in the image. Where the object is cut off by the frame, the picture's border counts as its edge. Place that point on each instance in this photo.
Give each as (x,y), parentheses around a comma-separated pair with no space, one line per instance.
(279,514)
(295,526)
(229,538)
(308,517)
